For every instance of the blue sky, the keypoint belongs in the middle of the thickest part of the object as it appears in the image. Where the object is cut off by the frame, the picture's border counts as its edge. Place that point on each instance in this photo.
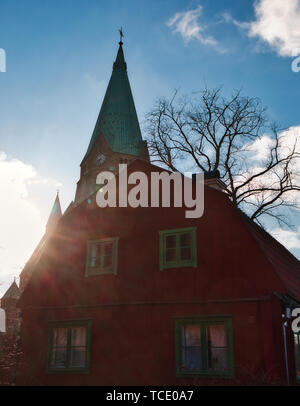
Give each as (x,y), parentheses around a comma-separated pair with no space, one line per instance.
(59,58)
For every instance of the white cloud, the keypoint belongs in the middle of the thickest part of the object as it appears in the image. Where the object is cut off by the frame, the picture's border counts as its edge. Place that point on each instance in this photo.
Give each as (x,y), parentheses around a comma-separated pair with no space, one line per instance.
(229,19)
(187,24)
(257,154)
(260,147)
(276,24)
(290,239)
(288,139)
(22,220)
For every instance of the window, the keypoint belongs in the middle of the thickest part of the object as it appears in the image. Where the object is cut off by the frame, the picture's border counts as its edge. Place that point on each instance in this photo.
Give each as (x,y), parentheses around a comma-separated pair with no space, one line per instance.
(178,248)
(297,355)
(204,346)
(102,257)
(69,344)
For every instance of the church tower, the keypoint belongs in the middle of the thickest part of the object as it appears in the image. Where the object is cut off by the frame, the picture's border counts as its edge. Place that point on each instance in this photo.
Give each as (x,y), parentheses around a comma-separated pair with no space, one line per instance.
(117,136)
(54,217)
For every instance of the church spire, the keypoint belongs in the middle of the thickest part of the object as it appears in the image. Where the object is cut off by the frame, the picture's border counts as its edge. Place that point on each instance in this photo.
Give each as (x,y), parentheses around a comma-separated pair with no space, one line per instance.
(117,120)
(55,214)
(117,136)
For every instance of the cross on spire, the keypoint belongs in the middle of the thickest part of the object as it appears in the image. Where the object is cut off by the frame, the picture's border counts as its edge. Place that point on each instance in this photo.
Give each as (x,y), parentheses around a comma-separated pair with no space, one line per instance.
(121,35)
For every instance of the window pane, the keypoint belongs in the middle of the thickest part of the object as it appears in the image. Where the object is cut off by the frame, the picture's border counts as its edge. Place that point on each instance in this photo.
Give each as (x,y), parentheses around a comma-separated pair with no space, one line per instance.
(191,335)
(185,254)
(185,240)
(78,336)
(217,360)
(191,358)
(59,357)
(170,255)
(78,357)
(59,347)
(217,335)
(107,261)
(108,248)
(171,241)
(217,347)
(96,255)
(60,335)
(191,350)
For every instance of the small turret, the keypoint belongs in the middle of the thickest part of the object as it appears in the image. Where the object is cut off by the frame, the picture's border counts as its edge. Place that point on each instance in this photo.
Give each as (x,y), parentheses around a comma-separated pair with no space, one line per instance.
(12,292)
(53,219)
(55,215)
(9,333)
(9,305)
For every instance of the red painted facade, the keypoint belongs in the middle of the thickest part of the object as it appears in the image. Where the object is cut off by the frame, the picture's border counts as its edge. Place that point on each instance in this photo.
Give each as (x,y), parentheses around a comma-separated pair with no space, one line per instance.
(133,313)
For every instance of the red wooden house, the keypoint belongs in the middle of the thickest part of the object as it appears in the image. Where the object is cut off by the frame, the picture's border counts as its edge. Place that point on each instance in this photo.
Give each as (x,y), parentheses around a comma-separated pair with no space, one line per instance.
(146,296)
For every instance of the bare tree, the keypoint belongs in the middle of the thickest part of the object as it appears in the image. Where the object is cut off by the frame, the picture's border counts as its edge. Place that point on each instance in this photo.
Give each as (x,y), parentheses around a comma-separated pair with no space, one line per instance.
(212,132)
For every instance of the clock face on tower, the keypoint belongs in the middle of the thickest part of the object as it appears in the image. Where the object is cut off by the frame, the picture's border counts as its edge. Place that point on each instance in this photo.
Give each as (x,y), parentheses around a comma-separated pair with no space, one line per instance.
(100,159)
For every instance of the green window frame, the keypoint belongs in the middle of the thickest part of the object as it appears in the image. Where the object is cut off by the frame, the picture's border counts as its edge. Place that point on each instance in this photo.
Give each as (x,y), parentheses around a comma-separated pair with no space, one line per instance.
(178,248)
(204,346)
(69,346)
(102,257)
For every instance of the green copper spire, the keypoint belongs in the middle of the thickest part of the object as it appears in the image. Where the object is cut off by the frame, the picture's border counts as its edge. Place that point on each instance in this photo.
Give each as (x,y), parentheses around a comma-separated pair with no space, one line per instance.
(117,120)
(55,214)
(120,63)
